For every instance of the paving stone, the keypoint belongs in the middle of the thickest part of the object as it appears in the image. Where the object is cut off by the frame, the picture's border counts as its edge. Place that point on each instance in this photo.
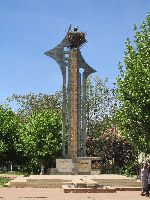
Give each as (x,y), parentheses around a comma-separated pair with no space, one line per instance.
(58,194)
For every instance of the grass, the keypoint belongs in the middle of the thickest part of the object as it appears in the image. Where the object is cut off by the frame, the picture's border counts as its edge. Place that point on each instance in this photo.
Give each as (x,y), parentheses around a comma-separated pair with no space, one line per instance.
(3,181)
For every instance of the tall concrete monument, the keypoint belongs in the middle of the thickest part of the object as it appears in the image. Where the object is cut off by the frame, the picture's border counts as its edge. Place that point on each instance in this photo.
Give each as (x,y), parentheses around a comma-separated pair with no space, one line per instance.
(68,56)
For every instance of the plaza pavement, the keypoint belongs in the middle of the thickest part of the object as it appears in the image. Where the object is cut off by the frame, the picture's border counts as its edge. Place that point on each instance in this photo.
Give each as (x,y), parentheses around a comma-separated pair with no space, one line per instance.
(58,194)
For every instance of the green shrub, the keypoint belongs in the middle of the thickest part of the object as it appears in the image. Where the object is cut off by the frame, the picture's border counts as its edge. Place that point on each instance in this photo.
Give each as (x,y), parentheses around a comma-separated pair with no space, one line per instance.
(131,169)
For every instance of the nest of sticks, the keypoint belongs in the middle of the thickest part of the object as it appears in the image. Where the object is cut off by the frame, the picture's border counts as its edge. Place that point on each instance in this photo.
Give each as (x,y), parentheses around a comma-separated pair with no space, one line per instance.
(76,39)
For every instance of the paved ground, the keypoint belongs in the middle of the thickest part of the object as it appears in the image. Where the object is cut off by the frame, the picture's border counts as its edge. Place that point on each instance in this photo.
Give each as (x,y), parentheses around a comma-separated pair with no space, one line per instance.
(57,194)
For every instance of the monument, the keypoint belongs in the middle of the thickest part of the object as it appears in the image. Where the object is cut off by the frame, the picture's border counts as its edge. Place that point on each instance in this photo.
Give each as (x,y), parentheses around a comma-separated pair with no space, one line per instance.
(69,58)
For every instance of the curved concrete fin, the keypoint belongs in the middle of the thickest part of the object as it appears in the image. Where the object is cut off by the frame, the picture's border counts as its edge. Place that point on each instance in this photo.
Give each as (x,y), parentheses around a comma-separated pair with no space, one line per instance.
(57,53)
(82,64)
(60,47)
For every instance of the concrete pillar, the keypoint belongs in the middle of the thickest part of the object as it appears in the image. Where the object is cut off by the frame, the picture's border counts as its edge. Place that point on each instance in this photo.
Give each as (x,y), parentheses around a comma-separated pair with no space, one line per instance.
(84,113)
(79,115)
(69,113)
(64,114)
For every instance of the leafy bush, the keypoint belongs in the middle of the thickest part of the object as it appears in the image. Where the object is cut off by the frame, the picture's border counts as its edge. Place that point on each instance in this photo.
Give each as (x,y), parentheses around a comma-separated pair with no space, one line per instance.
(131,169)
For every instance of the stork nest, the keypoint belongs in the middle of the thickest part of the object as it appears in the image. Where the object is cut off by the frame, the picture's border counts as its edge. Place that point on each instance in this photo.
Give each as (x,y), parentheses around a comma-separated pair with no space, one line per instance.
(76,39)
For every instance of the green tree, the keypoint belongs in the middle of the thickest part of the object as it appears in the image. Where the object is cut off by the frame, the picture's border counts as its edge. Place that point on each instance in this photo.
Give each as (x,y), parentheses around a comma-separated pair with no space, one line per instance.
(99,105)
(133,89)
(104,139)
(116,151)
(31,102)
(99,113)
(40,137)
(9,122)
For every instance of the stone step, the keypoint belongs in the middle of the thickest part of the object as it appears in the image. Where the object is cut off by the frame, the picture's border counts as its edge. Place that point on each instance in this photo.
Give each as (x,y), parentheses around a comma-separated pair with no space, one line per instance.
(37,185)
(38,181)
(18,182)
(115,182)
(85,182)
(47,180)
(56,181)
(73,189)
(104,189)
(127,188)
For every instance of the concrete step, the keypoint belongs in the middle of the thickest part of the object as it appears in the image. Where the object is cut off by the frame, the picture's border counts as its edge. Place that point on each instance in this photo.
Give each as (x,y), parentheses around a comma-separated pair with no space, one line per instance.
(18,182)
(85,182)
(56,181)
(39,181)
(116,182)
(104,189)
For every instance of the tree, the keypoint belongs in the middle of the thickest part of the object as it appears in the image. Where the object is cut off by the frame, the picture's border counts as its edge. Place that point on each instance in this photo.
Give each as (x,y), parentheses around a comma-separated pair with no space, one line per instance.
(40,137)
(35,102)
(133,89)
(116,151)
(9,123)
(99,106)
(104,139)
(99,113)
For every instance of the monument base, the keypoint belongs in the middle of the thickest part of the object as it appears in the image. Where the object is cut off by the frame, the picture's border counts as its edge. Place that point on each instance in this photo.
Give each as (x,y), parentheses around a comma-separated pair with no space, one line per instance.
(81,166)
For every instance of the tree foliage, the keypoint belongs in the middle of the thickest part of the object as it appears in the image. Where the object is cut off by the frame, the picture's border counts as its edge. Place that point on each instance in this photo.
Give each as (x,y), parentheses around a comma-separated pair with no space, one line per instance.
(113,149)
(133,89)
(99,106)
(9,122)
(116,151)
(40,137)
(35,102)
(104,139)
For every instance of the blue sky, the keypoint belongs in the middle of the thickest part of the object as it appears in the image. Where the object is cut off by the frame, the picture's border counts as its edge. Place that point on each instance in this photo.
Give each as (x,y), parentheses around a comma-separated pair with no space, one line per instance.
(31,27)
